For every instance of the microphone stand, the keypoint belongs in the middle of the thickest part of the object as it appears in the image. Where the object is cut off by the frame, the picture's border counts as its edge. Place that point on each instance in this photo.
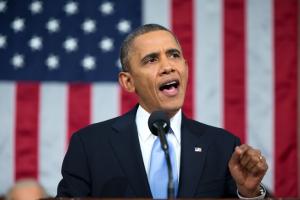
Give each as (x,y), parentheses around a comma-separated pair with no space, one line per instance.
(165,148)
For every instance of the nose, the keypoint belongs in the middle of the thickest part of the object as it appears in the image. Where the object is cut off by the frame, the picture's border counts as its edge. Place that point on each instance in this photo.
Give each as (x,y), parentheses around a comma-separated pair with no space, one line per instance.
(166,66)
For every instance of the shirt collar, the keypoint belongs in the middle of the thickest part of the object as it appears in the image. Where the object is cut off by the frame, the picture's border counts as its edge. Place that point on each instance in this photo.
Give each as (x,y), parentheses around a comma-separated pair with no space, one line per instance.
(144,132)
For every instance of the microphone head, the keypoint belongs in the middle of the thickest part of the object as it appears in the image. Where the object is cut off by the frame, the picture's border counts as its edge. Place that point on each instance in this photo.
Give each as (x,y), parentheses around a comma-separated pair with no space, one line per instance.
(157,120)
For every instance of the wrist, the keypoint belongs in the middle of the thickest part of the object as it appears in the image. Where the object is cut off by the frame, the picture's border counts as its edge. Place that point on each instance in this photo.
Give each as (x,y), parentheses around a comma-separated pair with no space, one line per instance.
(250,193)
(257,194)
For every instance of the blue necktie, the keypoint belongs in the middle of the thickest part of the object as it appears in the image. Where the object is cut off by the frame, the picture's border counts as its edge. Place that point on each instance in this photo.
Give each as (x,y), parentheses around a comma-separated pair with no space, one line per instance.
(158,173)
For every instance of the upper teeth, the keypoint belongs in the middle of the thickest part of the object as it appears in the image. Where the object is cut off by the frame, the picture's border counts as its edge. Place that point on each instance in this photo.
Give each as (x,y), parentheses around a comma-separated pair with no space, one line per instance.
(170,83)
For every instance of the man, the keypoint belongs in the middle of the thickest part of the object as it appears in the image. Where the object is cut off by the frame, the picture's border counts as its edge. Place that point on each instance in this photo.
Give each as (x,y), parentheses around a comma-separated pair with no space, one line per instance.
(26,189)
(112,158)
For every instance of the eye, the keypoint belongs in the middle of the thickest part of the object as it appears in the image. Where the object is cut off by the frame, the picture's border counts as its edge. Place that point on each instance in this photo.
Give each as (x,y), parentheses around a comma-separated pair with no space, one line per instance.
(150,60)
(175,55)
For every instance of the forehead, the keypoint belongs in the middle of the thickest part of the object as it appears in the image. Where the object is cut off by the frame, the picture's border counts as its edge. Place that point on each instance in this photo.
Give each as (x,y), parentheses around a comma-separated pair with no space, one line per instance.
(155,40)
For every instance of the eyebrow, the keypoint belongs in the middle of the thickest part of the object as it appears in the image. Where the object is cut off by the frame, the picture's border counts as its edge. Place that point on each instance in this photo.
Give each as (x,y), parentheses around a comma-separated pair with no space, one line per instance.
(173,50)
(156,54)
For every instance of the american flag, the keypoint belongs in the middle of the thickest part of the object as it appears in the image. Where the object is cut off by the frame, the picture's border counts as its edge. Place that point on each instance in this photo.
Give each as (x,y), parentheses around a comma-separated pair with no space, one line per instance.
(59,67)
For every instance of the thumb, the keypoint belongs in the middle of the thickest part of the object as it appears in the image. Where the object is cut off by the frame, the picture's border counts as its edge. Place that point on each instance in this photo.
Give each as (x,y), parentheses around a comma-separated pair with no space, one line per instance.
(236,156)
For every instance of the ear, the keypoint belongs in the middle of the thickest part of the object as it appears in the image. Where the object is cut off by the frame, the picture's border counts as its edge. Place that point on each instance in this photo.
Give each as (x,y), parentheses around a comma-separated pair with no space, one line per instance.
(126,81)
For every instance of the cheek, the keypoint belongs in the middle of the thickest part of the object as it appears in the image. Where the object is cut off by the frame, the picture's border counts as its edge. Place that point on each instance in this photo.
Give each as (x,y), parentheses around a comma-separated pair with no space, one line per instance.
(185,75)
(146,86)
(145,82)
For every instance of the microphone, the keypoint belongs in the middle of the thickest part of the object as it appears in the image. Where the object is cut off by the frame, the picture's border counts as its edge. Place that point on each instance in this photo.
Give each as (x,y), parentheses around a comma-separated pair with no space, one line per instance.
(159,125)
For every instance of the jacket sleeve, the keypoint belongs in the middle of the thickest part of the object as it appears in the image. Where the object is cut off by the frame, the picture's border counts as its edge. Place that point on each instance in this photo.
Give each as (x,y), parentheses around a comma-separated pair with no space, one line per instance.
(75,171)
(231,188)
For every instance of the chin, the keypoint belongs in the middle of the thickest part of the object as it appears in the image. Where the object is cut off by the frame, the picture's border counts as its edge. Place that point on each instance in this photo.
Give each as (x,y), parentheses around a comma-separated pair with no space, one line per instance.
(171,109)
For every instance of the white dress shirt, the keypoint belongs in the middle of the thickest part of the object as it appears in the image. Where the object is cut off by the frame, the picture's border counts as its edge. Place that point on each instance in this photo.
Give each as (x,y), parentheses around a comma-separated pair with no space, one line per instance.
(147,139)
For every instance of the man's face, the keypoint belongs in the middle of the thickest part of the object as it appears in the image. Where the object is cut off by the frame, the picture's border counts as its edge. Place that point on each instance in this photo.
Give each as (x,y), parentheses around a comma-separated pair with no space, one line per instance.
(158,72)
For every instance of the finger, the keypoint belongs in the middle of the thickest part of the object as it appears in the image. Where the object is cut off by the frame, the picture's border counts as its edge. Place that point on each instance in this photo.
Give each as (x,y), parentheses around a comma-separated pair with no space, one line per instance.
(250,158)
(263,164)
(259,169)
(235,158)
(245,160)
(238,155)
(251,154)
(244,148)
(249,151)
(246,156)
(241,150)
(258,166)
(251,164)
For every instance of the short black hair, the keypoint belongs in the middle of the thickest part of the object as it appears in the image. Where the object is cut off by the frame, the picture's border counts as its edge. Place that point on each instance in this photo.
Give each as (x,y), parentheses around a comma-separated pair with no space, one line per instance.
(127,43)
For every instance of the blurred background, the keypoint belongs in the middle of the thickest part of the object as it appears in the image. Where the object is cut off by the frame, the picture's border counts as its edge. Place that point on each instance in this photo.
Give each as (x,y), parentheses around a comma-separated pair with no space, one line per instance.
(59,66)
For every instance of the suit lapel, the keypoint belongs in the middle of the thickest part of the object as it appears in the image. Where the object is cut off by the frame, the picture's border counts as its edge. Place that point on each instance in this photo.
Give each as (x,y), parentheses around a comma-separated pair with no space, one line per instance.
(193,154)
(126,146)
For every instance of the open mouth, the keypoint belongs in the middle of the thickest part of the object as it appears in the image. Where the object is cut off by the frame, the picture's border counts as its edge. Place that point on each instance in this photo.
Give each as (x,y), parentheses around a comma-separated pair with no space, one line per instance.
(169,88)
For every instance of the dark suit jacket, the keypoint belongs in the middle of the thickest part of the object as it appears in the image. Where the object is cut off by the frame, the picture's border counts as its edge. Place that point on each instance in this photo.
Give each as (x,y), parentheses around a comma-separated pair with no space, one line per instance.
(105,160)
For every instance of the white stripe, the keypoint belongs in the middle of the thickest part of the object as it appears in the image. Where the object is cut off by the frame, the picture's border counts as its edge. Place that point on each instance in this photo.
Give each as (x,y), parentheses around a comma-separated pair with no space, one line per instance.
(260,81)
(52,137)
(208,62)
(157,11)
(105,101)
(7,132)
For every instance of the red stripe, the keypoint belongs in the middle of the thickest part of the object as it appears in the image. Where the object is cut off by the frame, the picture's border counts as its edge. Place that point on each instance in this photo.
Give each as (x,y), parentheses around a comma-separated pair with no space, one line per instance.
(298,105)
(79,107)
(234,67)
(285,36)
(182,25)
(26,135)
